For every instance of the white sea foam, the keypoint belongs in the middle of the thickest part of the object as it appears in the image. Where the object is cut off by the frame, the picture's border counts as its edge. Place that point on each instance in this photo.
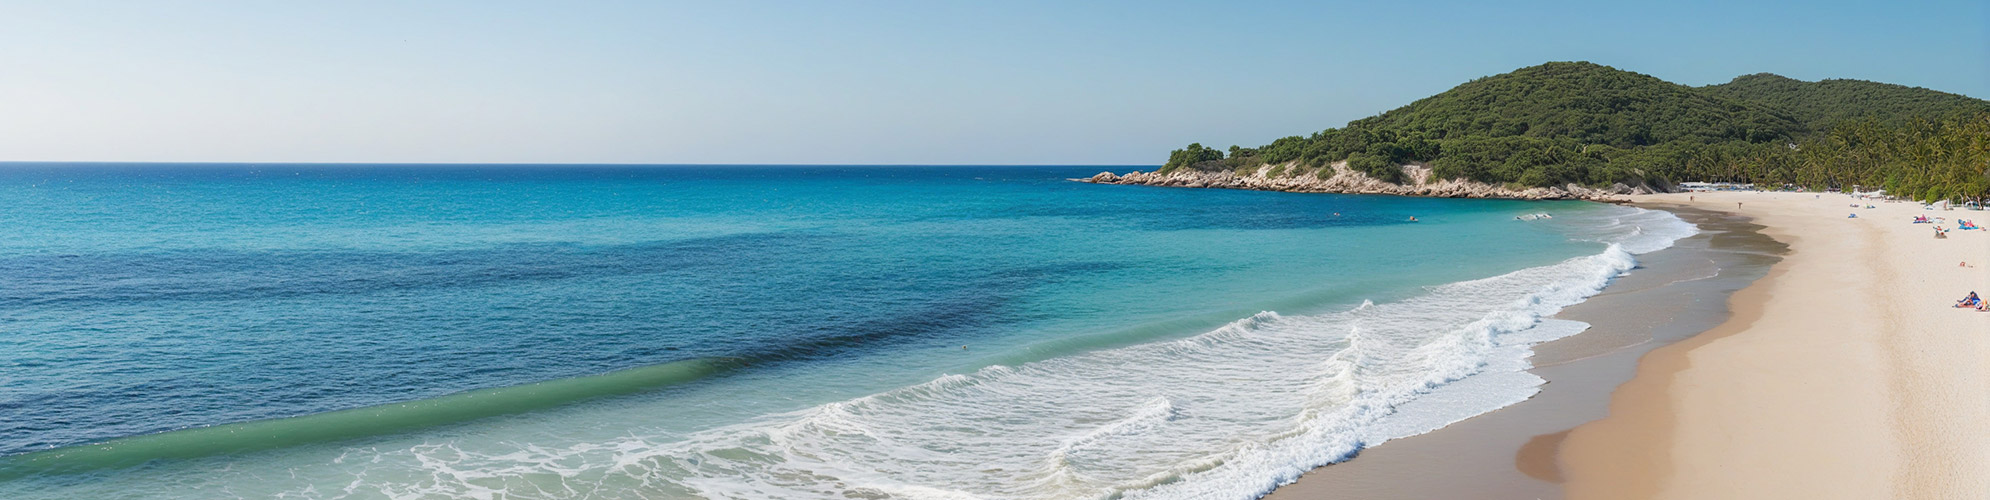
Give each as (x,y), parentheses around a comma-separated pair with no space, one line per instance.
(1644,231)
(1230,413)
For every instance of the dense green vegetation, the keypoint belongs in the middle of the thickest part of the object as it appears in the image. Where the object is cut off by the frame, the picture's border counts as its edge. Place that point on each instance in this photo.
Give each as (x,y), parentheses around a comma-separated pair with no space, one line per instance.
(1582,123)
(1917,158)
(1823,104)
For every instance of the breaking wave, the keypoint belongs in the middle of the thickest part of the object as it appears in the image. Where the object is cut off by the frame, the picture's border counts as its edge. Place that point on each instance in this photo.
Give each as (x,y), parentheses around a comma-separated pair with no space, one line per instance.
(1230,413)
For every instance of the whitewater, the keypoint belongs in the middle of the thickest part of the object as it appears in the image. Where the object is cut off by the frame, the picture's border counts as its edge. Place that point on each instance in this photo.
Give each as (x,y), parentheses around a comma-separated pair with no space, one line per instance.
(1231,413)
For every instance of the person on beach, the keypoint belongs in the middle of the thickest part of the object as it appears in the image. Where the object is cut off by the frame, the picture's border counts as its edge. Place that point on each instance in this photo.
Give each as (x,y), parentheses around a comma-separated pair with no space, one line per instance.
(1970,301)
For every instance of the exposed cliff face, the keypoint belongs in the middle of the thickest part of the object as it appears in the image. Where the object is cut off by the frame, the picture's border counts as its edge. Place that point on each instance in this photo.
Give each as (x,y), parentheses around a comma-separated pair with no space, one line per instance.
(1345,180)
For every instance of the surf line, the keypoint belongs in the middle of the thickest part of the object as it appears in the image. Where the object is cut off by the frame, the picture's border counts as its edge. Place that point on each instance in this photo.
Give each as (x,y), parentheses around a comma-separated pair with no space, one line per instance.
(340,425)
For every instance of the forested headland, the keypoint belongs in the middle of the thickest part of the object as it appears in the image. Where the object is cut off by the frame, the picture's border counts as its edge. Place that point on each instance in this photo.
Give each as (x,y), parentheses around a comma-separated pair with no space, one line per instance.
(1581,123)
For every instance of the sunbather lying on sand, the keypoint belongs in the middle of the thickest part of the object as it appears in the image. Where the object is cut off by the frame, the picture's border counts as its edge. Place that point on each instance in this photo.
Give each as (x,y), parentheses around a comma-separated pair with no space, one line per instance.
(1970,301)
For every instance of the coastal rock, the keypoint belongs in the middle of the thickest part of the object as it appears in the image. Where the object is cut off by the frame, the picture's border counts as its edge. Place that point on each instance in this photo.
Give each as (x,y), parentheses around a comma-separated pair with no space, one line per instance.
(1338,178)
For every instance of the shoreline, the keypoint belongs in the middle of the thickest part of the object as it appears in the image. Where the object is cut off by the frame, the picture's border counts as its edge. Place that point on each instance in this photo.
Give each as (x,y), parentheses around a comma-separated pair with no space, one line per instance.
(1292,178)
(1511,452)
(1845,374)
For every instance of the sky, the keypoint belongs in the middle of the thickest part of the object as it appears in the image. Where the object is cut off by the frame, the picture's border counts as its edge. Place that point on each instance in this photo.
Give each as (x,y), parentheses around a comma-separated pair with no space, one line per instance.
(830,82)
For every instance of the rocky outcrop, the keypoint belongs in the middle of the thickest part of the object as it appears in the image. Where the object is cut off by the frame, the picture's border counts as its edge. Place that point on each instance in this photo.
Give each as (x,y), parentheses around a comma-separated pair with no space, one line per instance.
(1348,181)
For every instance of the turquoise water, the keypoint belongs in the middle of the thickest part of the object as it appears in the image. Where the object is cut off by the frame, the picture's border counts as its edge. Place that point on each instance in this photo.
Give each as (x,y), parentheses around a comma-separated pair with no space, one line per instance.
(327,331)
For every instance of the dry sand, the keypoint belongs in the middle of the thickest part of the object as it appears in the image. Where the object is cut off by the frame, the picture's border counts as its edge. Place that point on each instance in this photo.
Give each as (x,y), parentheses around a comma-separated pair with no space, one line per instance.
(1843,374)
(1673,295)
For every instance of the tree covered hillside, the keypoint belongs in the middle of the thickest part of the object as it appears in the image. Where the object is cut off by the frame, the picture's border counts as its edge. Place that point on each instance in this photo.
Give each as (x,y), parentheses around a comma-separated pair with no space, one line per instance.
(1590,103)
(1823,104)
(1582,123)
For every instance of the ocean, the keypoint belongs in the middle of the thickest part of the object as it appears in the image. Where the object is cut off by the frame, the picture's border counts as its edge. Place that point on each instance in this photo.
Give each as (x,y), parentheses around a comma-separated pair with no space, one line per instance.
(520,332)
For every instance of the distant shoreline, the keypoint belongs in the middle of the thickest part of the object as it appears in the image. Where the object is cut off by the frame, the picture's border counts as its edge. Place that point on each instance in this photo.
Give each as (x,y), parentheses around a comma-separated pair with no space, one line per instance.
(1347,181)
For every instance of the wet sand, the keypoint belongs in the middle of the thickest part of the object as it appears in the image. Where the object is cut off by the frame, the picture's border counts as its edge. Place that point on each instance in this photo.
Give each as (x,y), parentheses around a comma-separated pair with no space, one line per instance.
(1512,453)
(1844,374)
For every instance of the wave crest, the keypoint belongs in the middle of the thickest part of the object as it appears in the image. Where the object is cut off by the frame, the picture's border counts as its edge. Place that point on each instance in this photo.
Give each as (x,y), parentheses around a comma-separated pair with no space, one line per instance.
(1230,413)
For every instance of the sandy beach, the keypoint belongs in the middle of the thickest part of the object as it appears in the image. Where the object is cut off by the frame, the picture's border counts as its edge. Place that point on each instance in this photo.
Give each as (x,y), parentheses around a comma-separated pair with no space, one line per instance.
(1845,373)
(1674,294)
(1788,351)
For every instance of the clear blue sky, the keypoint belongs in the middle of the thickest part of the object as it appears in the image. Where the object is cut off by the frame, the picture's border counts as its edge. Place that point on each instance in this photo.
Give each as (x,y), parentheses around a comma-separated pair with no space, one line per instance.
(1008,82)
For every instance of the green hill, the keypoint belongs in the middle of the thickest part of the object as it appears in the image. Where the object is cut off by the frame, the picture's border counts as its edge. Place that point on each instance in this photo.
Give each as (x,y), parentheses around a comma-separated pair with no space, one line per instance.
(1822,104)
(1590,103)
(1582,123)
